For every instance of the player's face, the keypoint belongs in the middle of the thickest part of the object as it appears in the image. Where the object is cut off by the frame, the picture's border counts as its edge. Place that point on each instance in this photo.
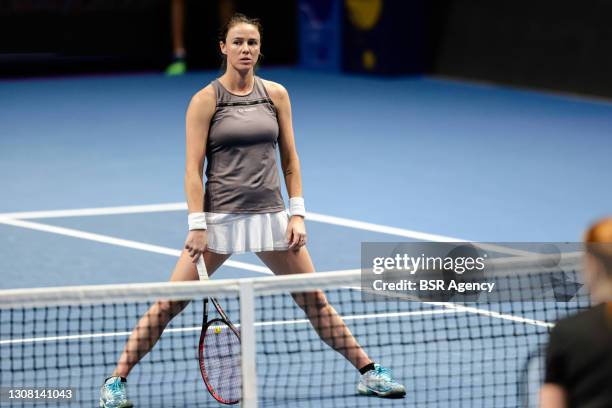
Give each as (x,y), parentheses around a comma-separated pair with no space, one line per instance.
(242,46)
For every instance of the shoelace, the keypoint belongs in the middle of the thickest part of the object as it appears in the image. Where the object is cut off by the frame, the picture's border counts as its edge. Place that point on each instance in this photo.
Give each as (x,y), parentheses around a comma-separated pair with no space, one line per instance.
(116,388)
(382,372)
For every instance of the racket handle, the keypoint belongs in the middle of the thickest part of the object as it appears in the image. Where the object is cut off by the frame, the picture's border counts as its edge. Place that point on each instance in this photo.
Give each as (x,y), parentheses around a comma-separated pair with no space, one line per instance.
(201,266)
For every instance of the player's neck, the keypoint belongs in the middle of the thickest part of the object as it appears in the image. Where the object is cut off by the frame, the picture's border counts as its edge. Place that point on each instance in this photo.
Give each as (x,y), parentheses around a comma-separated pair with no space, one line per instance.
(239,82)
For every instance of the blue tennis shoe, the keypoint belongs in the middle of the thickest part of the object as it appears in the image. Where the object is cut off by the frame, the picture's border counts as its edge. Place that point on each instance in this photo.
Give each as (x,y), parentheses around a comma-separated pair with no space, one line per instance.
(379,382)
(113,393)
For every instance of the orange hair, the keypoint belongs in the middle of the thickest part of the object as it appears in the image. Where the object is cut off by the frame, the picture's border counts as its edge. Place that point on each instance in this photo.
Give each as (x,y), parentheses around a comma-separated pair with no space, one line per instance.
(598,242)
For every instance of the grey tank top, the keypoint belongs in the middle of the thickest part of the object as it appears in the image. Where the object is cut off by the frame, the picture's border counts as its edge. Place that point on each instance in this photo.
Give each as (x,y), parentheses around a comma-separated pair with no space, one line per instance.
(242,172)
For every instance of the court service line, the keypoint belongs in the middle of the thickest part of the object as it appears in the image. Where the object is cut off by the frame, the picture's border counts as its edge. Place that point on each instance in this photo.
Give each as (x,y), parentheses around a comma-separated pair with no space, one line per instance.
(88,212)
(234,264)
(198,328)
(490,313)
(311,216)
(120,242)
(137,209)
(450,309)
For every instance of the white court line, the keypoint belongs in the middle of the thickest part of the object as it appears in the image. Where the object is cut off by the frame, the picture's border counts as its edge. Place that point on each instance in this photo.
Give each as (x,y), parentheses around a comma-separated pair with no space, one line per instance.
(4,219)
(365,316)
(198,328)
(400,232)
(136,209)
(121,242)
(91,236)
(311,216)
(450,308)
(85,212)
(490,313)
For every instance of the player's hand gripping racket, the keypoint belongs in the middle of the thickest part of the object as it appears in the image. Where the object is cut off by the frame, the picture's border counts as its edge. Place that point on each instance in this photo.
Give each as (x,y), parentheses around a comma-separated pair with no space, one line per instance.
(219,351)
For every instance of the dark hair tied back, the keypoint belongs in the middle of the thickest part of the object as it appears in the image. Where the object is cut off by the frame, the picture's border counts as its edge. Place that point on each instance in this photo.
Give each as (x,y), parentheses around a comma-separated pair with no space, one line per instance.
(239,18)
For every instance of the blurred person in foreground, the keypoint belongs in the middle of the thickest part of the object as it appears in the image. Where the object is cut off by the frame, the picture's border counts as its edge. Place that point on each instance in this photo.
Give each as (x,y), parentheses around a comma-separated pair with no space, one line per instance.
(579,354)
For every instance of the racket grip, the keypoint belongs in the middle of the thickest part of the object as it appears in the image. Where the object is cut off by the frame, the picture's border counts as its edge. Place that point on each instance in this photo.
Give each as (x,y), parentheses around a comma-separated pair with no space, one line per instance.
(201,266)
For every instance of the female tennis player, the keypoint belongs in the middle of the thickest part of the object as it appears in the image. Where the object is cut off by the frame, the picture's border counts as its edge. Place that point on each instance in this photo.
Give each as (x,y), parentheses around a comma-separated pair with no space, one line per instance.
(579,355)
(236,123)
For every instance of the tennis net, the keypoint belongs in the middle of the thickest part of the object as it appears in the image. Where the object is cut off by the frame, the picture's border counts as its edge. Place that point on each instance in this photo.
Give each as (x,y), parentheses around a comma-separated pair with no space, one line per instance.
(446,354)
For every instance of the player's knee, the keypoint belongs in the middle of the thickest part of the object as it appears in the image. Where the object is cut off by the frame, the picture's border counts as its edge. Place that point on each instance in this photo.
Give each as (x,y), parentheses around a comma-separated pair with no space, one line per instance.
(310,301)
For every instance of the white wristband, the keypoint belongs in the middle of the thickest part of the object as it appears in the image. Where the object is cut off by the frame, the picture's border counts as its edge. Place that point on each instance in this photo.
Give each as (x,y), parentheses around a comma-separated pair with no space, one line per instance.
(197,221)
(296,206)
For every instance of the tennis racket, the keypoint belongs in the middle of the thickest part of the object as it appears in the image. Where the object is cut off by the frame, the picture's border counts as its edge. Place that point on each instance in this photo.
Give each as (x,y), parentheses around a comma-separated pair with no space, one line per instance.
(219,351)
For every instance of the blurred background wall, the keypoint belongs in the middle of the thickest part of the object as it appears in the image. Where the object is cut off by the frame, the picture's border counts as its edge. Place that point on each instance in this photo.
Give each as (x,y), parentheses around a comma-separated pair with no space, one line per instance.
(559,45)
(556,44)
(42,37)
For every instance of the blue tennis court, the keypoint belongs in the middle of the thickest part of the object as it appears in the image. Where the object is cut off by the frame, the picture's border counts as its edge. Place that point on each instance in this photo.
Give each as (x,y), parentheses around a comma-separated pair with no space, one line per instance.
(92,193)
(401,150)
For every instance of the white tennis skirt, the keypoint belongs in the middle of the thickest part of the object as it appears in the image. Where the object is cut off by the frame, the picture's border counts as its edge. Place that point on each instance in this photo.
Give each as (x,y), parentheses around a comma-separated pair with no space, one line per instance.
(239,233)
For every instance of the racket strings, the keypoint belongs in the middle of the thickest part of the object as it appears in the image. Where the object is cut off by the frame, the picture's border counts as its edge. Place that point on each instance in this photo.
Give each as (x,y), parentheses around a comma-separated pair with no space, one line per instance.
(222,361)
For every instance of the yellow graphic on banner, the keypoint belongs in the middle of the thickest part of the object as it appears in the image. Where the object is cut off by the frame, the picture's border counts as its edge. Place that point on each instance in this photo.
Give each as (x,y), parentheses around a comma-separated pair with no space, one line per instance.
(364,14)
(368,59)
